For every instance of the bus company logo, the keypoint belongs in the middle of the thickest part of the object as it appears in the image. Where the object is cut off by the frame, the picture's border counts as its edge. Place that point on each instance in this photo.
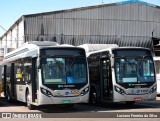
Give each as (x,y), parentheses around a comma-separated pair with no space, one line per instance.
(60,86)
(66,93)
(138,91)
(6,115)
(129,84)
(75,92)
(66,86)
(72,92)
(132,91)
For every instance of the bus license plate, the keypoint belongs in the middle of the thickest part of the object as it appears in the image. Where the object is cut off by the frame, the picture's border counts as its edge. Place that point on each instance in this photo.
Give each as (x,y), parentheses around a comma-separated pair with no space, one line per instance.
(137,99)
(66,101)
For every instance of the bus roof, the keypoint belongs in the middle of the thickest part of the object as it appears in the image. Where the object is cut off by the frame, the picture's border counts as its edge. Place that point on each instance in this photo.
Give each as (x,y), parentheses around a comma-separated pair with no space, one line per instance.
(42,43)
(115,48)
(31,49)
(96,47)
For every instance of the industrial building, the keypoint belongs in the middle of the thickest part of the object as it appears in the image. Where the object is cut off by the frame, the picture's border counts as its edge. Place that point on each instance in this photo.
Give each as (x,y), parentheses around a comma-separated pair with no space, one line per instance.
(128,23)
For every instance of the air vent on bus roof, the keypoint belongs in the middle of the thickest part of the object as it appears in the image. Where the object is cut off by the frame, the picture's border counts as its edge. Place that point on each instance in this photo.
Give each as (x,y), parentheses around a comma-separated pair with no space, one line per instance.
(43,43)
(96,47)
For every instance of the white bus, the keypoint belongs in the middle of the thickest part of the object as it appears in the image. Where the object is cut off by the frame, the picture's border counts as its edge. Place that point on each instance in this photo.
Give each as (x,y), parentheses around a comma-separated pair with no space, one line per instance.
(43,73)
(120,74)
(157,67)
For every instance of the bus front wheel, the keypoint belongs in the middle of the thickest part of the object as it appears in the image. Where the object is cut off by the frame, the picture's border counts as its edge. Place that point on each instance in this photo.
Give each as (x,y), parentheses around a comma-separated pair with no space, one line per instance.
(28,101)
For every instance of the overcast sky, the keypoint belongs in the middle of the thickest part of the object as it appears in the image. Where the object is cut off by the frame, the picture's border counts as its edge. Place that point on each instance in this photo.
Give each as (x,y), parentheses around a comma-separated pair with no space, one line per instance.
(11,10)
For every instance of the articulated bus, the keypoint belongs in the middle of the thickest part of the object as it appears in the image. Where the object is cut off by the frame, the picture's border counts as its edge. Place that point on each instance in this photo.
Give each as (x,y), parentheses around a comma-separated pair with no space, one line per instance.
(44,73)
(120,74)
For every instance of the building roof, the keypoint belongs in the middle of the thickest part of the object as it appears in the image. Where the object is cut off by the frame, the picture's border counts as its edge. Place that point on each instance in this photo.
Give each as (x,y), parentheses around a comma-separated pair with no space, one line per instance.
(96,6)
(136,1)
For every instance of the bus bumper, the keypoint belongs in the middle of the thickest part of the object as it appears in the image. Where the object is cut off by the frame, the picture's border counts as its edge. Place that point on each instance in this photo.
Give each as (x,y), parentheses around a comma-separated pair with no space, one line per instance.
(44,100)
(144,97)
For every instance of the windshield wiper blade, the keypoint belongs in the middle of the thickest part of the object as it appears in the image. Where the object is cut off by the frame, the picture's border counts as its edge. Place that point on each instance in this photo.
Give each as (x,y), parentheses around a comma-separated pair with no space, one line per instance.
(143,58)
(73,60)
(142,61)
(59,65)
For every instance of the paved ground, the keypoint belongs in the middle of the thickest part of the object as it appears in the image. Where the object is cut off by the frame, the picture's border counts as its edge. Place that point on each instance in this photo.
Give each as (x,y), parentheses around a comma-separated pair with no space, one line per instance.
(88,112)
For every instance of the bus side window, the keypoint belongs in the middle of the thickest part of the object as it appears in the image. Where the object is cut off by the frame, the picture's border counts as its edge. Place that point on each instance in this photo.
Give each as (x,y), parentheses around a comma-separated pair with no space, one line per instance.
(27,76)
(27,70)
(19,74)
(8,74)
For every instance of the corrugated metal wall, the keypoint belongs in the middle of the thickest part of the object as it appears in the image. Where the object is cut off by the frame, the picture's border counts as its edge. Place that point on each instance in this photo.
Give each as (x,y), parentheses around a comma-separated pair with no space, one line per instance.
(14,37)
(125,24)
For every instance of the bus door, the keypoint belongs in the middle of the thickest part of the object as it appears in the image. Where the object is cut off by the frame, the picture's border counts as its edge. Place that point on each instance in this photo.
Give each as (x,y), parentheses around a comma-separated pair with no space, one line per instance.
(4,79)
(106,79)
(34,79)
(12,81)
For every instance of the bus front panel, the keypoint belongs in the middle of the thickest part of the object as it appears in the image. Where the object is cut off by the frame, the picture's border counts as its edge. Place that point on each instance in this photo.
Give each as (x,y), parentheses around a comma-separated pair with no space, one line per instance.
(134,75)
(64,76)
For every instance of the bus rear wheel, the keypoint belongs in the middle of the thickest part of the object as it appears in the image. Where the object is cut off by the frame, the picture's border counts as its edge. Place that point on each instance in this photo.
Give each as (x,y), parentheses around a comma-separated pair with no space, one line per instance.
(28,101)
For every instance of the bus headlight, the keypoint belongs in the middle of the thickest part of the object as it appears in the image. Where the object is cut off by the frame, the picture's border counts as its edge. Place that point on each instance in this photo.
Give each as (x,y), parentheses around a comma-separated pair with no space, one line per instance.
(119,90)
(46,92)
(153,89)
(85,91)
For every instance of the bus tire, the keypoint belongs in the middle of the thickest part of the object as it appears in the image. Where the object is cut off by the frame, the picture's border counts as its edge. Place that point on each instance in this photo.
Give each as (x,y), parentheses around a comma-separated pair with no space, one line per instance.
(130,102)
(93,97)
(28,104)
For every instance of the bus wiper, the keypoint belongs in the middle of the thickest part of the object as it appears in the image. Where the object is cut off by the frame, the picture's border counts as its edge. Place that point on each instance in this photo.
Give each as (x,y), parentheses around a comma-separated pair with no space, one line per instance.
(143,58)
(73,60)
(57,63)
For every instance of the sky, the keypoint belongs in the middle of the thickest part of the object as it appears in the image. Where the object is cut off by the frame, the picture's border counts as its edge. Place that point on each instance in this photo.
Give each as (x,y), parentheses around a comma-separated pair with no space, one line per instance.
(12,10)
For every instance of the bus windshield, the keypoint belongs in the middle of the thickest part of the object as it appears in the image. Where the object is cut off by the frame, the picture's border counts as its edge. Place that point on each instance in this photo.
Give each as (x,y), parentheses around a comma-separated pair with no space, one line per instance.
(64,70)
(134,70)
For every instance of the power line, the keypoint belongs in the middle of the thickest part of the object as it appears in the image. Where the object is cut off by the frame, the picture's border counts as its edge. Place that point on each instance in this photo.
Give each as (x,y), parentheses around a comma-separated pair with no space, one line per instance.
(3,28)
